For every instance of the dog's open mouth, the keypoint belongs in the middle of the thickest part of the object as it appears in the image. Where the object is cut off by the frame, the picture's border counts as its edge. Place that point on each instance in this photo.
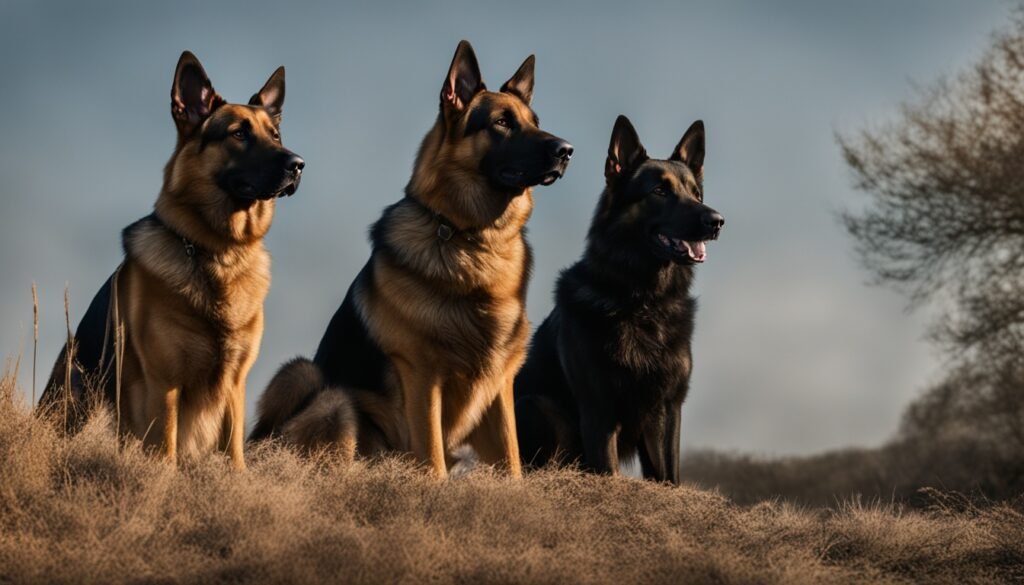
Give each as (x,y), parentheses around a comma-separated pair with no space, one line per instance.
(246,191)
(518,177)
(289,190)
(551,177)
(679,249)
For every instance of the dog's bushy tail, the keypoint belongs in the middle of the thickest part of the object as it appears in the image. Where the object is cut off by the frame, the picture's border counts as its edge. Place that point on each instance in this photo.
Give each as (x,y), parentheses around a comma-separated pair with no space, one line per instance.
(300,409)
(290,390)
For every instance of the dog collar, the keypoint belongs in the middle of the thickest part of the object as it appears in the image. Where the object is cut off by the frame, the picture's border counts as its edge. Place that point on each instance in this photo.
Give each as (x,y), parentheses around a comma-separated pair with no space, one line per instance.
(189,245)
(446,230)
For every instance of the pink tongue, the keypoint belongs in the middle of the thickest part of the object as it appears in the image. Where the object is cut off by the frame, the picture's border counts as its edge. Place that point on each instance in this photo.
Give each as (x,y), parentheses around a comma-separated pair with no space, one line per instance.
(698,250)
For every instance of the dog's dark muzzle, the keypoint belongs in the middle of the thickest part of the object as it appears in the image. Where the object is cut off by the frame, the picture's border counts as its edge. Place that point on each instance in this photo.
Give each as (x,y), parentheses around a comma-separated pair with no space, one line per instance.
(293,167)
(712,222)
(268,180)
(684,240)
(544,170)
(560,152)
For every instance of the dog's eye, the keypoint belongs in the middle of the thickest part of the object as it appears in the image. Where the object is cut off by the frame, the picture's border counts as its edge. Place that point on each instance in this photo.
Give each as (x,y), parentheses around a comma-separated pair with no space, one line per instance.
(503,122)
(239,135)
(659,190)
(277,137)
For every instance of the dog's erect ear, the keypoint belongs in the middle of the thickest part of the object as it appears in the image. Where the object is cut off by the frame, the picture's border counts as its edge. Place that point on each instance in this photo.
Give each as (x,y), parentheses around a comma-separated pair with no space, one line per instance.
(625,153)
(690,150)
(193,98)
(521,84)
(271,96)
(463,81)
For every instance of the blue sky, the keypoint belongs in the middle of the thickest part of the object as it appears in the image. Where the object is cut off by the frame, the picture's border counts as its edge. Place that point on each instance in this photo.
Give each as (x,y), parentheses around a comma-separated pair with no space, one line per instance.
(793,353)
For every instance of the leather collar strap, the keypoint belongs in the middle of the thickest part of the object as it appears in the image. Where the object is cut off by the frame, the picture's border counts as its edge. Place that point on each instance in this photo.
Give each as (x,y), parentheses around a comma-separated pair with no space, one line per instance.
(446,230)
(190,247)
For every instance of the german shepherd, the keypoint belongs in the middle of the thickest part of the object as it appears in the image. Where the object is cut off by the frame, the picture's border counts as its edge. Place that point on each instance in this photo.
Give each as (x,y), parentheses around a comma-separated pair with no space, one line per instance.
(169,339)
(609,368)
(422,353)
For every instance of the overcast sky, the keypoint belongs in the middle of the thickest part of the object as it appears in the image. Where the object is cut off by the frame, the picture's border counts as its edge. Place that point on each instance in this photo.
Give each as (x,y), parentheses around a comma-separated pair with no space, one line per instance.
(793,352)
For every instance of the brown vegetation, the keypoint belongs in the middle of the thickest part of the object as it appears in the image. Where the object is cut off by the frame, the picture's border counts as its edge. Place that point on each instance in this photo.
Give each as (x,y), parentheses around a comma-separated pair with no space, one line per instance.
(90,509)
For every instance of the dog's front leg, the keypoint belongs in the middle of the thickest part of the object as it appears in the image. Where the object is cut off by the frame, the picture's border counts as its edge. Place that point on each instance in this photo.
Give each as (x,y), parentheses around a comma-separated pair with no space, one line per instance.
(673,421)
(422,396)
(652,445)
(170,427)
(494,439)
(600,443)
(235,428)
(159,412)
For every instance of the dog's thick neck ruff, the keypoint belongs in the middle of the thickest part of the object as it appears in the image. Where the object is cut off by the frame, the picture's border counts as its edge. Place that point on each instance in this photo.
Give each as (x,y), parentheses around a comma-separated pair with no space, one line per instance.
(632,270)
(170,257)
(190,247)
(195,272)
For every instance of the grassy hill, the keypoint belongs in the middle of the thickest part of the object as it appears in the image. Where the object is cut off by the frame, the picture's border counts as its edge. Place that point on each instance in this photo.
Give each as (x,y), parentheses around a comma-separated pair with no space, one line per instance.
(88,509)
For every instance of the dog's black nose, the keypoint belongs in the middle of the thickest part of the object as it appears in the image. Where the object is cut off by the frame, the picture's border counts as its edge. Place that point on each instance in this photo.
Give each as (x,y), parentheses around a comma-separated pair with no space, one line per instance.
(295,164)
(560,149)
(712,219)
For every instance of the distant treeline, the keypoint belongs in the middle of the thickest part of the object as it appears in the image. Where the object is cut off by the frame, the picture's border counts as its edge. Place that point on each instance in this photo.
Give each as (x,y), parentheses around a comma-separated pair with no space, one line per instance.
(977,463)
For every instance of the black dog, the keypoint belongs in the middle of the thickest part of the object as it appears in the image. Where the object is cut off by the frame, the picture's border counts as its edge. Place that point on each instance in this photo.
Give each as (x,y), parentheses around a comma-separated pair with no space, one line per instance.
(609,368)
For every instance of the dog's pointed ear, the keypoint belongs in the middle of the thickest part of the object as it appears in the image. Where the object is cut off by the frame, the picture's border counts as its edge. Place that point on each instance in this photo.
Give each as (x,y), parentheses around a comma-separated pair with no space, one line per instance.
(271,96)
(463,80)
(521,84)
(625,153)
(690,150)
(193,98)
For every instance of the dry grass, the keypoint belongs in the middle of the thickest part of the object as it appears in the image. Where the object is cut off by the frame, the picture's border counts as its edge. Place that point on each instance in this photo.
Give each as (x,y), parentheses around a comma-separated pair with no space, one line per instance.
(86,509)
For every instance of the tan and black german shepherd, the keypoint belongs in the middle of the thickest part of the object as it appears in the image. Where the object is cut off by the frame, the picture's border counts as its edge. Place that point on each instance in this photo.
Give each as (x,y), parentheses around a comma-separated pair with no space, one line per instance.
(189,295)
(422,354)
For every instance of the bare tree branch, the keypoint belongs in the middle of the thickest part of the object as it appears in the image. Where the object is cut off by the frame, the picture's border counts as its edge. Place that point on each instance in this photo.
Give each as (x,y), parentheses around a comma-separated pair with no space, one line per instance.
(944,221)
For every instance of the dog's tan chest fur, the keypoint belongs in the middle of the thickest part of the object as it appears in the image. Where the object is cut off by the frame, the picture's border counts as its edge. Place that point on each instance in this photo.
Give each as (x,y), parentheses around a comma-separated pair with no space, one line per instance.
(452,309)
(196,331)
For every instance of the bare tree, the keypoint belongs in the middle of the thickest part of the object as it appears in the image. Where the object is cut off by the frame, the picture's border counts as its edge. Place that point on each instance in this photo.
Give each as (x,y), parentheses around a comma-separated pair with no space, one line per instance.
(945,222)
(946,182)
